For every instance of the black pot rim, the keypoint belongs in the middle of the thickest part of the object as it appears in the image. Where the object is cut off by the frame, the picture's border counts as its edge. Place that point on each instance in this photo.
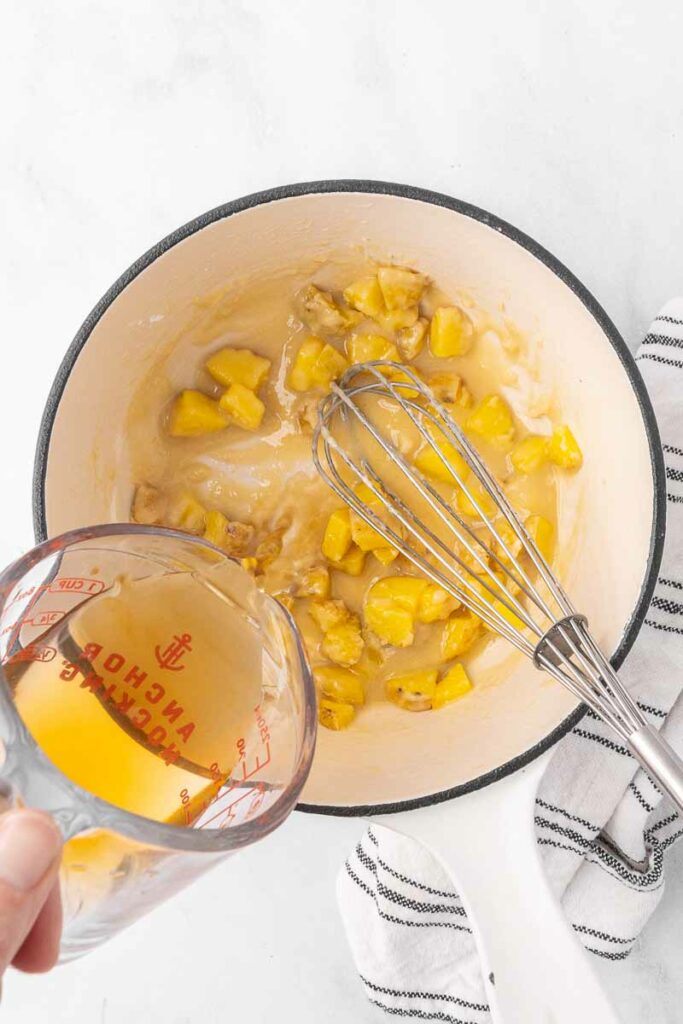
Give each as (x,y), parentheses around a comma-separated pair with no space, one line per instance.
(533,247)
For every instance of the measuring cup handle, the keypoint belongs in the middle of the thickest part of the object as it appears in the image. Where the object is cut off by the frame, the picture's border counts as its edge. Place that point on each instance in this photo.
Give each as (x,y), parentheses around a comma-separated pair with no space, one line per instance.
(535,969)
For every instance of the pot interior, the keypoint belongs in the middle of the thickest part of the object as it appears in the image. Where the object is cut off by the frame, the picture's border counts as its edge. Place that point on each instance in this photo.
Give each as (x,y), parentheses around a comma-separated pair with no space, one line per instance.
(605,512)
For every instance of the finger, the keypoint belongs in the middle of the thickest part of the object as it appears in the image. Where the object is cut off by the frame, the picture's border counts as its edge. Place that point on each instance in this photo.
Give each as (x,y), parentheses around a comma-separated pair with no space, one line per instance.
(30,847)
(40,949)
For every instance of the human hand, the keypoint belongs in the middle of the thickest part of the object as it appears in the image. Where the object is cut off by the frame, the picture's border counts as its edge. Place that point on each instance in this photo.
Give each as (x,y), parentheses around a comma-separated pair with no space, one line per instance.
(30,903)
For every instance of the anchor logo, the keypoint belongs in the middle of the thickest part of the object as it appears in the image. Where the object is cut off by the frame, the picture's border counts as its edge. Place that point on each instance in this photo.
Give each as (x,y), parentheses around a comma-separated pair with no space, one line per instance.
(172,655)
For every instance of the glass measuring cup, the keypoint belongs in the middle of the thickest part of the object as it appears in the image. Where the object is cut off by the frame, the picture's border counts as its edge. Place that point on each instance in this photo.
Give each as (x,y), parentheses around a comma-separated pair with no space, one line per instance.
(156,703)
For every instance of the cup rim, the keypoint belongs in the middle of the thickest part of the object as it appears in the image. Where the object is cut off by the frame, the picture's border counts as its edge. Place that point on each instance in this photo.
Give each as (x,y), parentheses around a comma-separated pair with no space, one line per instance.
(412,192)
(102,814)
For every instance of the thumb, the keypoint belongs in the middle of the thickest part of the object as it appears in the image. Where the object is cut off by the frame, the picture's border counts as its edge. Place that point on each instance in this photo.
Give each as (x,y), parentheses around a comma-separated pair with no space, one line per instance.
(30,848)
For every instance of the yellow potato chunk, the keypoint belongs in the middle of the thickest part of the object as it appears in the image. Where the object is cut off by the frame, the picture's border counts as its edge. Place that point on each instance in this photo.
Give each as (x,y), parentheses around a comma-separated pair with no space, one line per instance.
(327,614)
(194,413)
(413,691)
(216,528)
(385,556)
(343,644)
(542,533)
(401,287)
(243,407)
(511,545)
(446,386)
(329,366)
(391,606)
(364,348)
(410,340)
(530,454)
(238,366)
(315,582)
(429,462)
(398,319)
(249,563)
(435,604)
(321,312)
(564,450)
(337,538)
(402,591)
(483,500)
(186,513)
(460,632)
(270,547)
(149,505)
(390,622)
(511,617)
(335,716)
(492,420)
(238,537)
(364,535)
(451,332)
(301,373)
(465,398)
(365,295)
(340,684)
(352,563)
(454,685)
(316,365)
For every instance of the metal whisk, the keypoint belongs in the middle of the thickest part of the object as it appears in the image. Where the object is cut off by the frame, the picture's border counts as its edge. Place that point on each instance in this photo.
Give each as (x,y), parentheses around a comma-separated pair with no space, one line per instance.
(368,429)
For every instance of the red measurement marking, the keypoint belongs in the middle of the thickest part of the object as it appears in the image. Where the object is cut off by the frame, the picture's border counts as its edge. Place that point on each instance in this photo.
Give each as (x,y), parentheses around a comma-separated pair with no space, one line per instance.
(259,795)
(35,654)
(29,592)
(46,618)
(76,584)
(259,764)
(230,806)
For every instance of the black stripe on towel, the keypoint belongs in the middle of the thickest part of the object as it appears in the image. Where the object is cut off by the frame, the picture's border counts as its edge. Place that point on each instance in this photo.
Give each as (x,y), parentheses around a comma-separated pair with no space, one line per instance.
(671,450)
(670,818)
(666,605)
(674,474)
(650,710)
(671,839)
(647,708)
(585,930)
(676,499)
(438,996)
(668,320)
(662,339)
(602,740)
(568,833)
(654,358)
(640,798)
(397,920)
(670,583)
(605,861)
(662,626)
(399,898)
(418,885)
(570,817)
(621,955)
(420,1014)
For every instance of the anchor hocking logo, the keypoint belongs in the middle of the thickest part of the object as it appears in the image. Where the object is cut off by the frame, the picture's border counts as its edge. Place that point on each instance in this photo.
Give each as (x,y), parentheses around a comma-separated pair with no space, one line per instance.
(172,655)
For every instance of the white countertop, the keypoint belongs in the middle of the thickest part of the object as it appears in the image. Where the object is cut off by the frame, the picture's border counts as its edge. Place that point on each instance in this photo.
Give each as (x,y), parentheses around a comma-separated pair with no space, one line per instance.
(122,121)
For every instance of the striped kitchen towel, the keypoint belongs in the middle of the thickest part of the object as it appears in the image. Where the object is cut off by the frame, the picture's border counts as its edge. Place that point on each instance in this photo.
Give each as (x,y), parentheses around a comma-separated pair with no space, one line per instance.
(602,824)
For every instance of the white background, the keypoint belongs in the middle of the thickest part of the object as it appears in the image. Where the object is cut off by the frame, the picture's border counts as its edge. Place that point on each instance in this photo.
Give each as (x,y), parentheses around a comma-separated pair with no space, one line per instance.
(121,121)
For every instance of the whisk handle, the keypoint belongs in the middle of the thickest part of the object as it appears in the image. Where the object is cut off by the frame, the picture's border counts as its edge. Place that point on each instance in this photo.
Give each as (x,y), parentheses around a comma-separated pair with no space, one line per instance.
(660,762)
